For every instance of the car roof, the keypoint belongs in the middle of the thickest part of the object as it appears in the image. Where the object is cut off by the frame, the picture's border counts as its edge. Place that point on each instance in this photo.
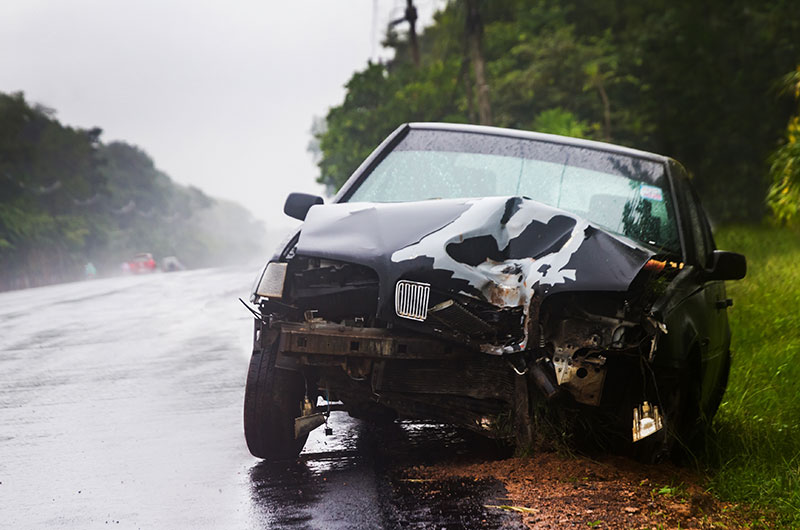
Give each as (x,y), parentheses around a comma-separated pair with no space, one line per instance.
(542,137)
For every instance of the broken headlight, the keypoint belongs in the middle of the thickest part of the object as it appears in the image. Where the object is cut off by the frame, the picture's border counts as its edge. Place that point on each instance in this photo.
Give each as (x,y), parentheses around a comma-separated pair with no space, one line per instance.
(272,281)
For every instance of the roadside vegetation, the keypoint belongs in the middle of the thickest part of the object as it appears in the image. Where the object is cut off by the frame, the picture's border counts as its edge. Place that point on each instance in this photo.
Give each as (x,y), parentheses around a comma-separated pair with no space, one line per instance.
(754,455)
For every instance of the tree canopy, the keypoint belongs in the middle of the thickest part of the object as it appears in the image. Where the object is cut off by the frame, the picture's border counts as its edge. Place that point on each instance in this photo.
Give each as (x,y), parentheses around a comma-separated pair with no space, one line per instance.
(784,194)
(692,80)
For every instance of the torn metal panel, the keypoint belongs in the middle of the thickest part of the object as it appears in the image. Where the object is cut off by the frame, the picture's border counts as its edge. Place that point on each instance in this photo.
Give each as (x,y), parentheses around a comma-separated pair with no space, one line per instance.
(333,340)
(582,377)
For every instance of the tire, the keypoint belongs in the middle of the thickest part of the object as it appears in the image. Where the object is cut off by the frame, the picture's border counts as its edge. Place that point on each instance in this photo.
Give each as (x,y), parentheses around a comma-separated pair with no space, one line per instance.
(659,446)
(693,442)
(273,398)
(719,390)
(678,440)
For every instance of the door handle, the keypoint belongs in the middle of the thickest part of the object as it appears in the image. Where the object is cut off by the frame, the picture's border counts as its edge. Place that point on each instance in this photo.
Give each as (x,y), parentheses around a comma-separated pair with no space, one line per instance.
(722,304)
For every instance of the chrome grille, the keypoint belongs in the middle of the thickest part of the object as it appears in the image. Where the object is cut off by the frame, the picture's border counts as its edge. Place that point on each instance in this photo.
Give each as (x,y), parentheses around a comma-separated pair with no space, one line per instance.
(411,299)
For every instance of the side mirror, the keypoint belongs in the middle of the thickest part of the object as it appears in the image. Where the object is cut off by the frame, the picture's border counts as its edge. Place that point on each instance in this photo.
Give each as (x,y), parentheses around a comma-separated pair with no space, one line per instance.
(727,266)
(298,204)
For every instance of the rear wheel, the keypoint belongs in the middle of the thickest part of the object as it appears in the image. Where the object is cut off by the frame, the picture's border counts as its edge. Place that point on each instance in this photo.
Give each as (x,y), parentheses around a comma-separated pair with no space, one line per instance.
(273,398)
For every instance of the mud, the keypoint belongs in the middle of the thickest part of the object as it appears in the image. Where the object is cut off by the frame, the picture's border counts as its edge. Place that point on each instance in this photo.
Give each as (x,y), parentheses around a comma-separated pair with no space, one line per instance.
(553,491)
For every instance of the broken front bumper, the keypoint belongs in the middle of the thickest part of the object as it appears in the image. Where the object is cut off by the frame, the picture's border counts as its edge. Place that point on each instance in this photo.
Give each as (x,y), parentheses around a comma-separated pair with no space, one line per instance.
(426,378)
(326,338)
(419,377)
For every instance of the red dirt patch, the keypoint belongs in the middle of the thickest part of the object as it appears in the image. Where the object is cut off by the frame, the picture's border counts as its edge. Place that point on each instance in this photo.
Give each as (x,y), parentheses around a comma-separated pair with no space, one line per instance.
(553,491)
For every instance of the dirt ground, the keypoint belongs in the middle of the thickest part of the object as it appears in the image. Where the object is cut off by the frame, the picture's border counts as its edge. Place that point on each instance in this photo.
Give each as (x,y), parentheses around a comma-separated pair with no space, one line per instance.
(553,491)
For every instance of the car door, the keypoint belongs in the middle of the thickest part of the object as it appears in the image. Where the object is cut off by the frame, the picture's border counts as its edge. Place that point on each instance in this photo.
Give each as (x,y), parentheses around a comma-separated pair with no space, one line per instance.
(706,306)
(716,343)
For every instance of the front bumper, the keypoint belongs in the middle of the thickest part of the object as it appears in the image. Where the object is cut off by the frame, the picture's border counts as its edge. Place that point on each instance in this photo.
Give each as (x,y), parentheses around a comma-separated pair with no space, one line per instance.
(419,377)
(325,338)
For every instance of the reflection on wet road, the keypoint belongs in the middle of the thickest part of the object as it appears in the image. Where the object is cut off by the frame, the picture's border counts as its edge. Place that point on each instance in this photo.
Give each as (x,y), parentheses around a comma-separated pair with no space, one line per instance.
(355,479)
(121,403)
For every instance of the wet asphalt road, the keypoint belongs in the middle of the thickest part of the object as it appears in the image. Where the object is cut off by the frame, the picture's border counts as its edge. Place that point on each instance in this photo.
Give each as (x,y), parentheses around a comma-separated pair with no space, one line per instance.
(121,404)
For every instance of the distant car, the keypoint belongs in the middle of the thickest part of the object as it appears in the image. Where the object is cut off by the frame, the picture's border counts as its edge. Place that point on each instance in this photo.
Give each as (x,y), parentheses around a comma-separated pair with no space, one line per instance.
(477,276)
(171,264)
(142,263)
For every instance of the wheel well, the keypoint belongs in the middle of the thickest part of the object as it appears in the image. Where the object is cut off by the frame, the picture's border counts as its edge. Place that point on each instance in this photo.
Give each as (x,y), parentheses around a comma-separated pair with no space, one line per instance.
(693,365)
(692,371)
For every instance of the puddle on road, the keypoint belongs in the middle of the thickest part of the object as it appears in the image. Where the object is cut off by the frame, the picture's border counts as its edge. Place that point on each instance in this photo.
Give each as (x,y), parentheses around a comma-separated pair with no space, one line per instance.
(357,478)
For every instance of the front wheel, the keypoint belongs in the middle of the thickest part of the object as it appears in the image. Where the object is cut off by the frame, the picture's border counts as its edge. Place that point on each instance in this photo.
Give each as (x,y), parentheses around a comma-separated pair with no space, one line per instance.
(273,398)
(679,398)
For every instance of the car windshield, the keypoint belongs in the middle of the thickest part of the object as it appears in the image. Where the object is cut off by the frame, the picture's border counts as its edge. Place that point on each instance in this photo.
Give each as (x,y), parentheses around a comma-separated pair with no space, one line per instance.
(622,194)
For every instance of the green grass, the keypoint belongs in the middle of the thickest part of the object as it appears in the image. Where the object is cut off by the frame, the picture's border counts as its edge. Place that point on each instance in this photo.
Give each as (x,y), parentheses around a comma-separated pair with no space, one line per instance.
(755,450)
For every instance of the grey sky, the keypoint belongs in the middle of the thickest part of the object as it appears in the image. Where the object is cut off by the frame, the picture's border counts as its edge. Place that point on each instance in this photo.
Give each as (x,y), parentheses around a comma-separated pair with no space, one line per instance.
(220,94)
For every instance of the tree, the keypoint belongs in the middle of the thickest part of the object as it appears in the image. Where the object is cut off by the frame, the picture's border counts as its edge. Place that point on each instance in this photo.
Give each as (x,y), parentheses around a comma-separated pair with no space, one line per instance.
(474,37)
(784,194)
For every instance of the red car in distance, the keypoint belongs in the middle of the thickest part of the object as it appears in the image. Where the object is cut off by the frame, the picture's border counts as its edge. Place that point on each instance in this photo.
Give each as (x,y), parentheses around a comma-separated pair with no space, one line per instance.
(142,263)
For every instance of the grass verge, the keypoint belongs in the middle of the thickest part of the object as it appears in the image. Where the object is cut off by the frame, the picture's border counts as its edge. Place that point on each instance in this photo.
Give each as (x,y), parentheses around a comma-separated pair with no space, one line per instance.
(755,452)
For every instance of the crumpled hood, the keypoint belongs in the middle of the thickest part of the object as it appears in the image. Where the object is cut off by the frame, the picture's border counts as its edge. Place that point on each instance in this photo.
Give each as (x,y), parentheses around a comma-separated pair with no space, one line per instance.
(504,250)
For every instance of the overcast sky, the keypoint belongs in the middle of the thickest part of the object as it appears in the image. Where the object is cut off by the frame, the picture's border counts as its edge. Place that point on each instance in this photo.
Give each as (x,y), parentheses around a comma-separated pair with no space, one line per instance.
(220,94)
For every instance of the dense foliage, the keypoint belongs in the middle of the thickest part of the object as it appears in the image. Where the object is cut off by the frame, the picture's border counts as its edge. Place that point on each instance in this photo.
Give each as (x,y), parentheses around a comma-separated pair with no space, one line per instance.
(67,199)
(693,80)
(784,195)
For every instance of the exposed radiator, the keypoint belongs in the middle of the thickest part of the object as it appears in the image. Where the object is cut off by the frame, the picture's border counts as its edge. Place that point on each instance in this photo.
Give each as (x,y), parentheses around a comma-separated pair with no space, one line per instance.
(458,317)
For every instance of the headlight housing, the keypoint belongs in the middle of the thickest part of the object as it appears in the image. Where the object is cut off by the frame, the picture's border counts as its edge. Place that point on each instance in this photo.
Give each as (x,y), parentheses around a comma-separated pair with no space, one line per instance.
(272,281)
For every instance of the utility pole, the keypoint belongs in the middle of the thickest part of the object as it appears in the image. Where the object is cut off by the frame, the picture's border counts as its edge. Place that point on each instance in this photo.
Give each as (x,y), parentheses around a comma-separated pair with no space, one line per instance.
(466,78)
(474,31)
(410,16)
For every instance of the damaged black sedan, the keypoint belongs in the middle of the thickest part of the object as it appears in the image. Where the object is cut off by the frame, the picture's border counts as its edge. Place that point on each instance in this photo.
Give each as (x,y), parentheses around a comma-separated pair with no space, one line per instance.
(476,276)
